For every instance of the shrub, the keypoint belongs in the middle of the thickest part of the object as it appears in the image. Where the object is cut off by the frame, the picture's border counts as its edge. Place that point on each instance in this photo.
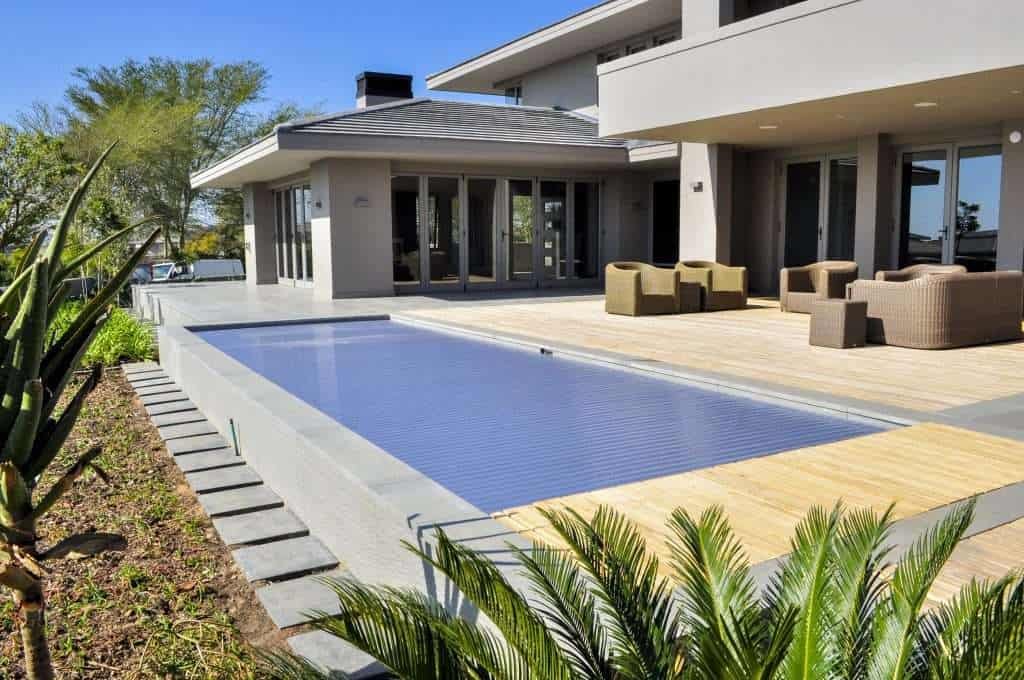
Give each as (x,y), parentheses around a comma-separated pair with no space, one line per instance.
(122,338)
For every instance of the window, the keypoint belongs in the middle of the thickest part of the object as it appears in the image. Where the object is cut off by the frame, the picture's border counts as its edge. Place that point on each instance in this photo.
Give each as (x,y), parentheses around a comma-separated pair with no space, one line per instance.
(605,57)
(665,38)
(514,95)
(636,47)
(293,233)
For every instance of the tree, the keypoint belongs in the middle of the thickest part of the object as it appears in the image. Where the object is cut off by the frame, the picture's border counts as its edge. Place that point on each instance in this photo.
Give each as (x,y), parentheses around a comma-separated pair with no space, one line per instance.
(34,178)
(37,364)
(601,610)
(174,118)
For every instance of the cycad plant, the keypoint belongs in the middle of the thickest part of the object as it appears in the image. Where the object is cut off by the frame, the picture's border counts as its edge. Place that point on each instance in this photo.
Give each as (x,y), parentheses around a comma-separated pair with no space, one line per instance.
(836,608)
(35,369)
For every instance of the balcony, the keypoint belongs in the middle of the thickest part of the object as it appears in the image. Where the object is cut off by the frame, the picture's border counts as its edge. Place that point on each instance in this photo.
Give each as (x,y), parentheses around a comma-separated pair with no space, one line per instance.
(822,70)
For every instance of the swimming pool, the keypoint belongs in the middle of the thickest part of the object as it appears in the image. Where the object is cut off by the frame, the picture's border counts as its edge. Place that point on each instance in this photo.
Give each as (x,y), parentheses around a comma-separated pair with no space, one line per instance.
(503,426)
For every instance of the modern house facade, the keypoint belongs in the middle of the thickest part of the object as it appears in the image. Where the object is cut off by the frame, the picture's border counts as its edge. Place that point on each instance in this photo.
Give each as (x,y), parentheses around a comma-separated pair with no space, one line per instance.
(763,133)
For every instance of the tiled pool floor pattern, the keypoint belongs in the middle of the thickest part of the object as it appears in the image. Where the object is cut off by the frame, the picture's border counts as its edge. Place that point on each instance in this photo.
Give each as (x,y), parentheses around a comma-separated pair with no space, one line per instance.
(502,426)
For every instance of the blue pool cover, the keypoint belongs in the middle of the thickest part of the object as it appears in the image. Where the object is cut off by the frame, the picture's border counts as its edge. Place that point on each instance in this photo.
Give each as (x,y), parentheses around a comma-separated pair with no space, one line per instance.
(502,426)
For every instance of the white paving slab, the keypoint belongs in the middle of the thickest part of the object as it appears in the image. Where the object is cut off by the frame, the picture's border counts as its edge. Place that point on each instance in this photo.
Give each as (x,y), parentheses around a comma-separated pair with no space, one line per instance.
(206,442)
(178,418)
(157,389)
(180,430)
(288,602)
(259,527)
(332,655)
(145,380)
(208,460)
(282,559)
(165,398)
(138,367)
(222,479)
(239,501)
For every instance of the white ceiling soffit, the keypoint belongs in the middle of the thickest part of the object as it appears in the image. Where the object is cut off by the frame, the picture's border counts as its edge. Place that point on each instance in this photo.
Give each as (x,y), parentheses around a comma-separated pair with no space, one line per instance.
(606,23)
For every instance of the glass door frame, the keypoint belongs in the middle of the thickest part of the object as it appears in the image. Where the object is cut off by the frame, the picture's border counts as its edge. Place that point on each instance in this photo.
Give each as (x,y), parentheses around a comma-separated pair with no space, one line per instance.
(570,280)
(824,162)
(496,231)
(505,239)
(294,253)
(426,282)
(949,204)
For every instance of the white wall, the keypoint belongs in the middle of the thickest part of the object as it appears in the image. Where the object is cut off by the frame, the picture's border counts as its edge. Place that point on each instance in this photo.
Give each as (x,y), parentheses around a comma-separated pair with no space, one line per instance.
(571,85)
(705,216)
(351,228)
(260,247)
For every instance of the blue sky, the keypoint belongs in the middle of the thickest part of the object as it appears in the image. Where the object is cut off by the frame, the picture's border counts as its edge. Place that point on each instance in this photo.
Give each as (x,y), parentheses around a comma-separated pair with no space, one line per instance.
(313,48)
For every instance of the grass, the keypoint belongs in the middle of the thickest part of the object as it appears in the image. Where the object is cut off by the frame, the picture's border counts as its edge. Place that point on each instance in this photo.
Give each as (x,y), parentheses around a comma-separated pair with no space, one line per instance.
(172,604)
(122,338)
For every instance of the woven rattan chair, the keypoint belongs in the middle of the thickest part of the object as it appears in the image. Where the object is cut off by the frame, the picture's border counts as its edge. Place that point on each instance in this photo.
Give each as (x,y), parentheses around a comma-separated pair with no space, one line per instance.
(916,271)
(943,310)
(723,287)
(638,289)
(799,287)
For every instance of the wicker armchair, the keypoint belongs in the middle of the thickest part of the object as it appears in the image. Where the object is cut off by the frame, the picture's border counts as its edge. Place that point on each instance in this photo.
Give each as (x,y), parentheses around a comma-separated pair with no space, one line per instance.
(638,289)
(943,310)
(722,287)
(799,287)
(916,271)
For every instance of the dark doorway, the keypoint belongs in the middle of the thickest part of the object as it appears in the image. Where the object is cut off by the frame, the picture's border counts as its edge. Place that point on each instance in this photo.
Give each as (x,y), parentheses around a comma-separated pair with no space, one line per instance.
(803,212)
(665,222)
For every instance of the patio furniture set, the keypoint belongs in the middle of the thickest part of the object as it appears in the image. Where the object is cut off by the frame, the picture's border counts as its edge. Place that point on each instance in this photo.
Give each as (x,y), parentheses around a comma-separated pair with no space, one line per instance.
(920,307)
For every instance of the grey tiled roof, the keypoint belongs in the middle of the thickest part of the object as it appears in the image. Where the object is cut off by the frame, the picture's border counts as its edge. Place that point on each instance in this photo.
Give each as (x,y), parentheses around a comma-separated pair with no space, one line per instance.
(463,121)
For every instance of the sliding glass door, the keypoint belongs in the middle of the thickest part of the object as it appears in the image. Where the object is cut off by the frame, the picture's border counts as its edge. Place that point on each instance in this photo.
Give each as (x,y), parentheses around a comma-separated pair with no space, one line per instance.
(444,224)
(820,210)
(293,233)
(949,206)
(481,222)
(519,235)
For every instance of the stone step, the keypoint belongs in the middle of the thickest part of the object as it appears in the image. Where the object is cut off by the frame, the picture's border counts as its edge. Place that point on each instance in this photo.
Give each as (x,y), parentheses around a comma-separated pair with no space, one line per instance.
(288,602)
(178,418)
(259,527)
(208,460)
(284,559)
(139,367)
(151,390)
(169,407)
(222,479)
(332,655)
(165,398)
(145,381)
(239,501)
(206,442)
(180,430)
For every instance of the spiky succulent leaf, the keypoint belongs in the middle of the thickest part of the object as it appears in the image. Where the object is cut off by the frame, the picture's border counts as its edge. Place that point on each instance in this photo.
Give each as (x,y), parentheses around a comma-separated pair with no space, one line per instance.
(60,374)
(18,446)
(15,499)
(486,587)
(54,433)
(31,253)
(26,338)
(635,601)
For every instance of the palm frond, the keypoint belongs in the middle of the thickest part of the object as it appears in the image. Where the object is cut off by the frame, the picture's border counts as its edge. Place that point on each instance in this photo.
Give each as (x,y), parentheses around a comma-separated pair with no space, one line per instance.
(897,628)
(990,643)
(567,603)
(635,601)
(283,666)
(486,587)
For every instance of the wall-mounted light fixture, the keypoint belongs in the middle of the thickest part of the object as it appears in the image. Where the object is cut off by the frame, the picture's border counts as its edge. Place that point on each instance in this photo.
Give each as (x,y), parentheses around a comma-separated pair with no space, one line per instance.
(1016,136)
(697,187)
(361,202)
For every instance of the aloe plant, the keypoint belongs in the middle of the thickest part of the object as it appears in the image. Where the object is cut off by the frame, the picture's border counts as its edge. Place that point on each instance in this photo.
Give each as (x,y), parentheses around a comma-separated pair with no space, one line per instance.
(35,370)
(600,610)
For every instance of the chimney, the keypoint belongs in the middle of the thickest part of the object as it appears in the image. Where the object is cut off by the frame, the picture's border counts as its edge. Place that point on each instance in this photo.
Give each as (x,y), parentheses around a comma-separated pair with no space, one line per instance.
(381,88)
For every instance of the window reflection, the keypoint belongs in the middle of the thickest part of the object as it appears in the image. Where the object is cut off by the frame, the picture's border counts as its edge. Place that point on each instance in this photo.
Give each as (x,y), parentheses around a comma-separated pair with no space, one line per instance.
(979,180)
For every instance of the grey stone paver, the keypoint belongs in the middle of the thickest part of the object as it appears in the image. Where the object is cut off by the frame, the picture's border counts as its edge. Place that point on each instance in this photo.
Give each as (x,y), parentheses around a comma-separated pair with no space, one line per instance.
(165,398)
(259,527)
(193,415)
(288,602)
(206,442)
(332,655)
(238,501)
(156,389)
(281,559)
(208,460)
(139,366)
(169,407)
(180,430)
(222,479)
(146,381)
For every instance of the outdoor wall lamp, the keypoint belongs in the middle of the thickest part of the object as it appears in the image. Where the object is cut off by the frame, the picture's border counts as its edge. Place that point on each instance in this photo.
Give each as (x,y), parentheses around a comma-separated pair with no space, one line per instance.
(697,187)
(1016,136)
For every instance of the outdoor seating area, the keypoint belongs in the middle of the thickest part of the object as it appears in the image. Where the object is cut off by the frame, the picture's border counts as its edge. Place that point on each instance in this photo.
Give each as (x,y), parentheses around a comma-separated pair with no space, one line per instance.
(922,306)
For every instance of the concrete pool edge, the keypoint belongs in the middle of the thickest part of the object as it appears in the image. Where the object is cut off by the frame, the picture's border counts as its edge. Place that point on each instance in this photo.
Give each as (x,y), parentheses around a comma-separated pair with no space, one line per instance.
(358,499)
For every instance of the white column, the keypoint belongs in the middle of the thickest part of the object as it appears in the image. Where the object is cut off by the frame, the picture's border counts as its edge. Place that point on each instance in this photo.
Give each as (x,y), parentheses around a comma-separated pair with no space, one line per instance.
(260,247)
(705,202)
(351,228)
(1010,254)
(873,230)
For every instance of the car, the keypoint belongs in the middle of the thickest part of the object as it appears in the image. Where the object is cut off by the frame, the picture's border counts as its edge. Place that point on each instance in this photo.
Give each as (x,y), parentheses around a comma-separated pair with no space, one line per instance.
(216,270)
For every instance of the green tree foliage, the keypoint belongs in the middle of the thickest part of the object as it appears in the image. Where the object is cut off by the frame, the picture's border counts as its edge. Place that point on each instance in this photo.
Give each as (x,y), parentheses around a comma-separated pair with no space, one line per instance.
(173,118)
(35,174)
(602,610)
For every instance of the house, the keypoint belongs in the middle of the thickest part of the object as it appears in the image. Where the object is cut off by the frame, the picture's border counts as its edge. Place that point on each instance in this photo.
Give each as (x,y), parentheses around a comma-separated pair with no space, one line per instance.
(766,133)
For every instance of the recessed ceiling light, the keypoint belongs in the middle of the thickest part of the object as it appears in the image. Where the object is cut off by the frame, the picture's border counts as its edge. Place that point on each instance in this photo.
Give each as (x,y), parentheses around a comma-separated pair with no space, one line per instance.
(1016,91)
(925,105)
(768,127)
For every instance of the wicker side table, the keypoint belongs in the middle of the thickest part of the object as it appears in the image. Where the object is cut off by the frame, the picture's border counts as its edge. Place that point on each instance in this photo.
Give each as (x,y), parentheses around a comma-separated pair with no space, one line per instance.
(690,297)
(839,323)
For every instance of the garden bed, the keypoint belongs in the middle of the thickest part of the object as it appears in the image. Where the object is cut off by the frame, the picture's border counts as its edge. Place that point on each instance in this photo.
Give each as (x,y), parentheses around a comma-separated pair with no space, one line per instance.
(172,603)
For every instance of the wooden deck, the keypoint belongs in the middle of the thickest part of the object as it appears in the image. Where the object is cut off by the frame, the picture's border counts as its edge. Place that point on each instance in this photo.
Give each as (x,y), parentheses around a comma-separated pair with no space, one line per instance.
(918,468)
(766,344)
